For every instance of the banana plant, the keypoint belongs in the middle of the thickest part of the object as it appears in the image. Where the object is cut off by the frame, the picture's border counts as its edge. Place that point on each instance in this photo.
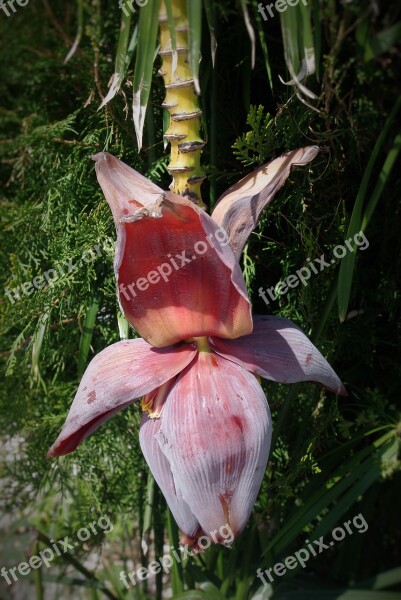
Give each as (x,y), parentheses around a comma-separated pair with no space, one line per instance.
(172,28)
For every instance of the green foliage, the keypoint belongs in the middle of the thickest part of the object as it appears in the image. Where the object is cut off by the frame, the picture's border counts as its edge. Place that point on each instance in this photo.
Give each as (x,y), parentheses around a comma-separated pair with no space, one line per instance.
(56,221)
(254,147)
(330,459)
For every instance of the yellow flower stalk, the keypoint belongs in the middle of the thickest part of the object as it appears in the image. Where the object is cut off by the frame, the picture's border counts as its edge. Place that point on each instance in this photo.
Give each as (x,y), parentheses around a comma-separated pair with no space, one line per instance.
(182,104)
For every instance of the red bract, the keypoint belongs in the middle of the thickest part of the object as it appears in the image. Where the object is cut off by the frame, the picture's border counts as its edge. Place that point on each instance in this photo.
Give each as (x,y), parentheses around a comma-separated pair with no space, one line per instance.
(177,276)
(207,429)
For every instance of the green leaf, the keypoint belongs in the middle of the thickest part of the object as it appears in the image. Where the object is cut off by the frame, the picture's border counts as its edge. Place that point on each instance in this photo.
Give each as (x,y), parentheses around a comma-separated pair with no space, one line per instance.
(299,49)
(382,180)
(177,582)
(383,580)
(382,42)
(345,594)
(261,32)
(123,326)
(148,26)
(249,29)
(80,19)
(194,12)
(359,221)
(124,54)
(355,475)
(212,592)
(317,36)
(191,595)
(90,578)
(171,27)
(37,345)
(149,506)
(210,17)
(86,336)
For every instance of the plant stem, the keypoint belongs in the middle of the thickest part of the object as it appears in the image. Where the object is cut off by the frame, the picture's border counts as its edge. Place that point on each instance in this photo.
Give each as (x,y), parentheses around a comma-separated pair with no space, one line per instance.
(182,104)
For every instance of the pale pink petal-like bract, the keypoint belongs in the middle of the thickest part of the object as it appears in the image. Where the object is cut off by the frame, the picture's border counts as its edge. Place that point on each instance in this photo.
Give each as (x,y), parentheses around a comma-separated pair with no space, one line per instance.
(215,433)
(238,209)
(160,468)
(116,377)
(278,350)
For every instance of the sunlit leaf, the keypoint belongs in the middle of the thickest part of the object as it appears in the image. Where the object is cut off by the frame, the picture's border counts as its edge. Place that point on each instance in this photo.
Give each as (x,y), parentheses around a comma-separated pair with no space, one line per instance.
(148,26)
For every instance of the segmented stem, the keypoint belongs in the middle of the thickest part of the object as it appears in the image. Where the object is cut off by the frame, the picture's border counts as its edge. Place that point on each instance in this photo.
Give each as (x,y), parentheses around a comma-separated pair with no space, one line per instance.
(182,103)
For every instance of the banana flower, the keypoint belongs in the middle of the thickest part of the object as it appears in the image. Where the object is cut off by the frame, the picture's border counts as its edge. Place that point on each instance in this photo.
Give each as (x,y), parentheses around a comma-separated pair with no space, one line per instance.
(206,428)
